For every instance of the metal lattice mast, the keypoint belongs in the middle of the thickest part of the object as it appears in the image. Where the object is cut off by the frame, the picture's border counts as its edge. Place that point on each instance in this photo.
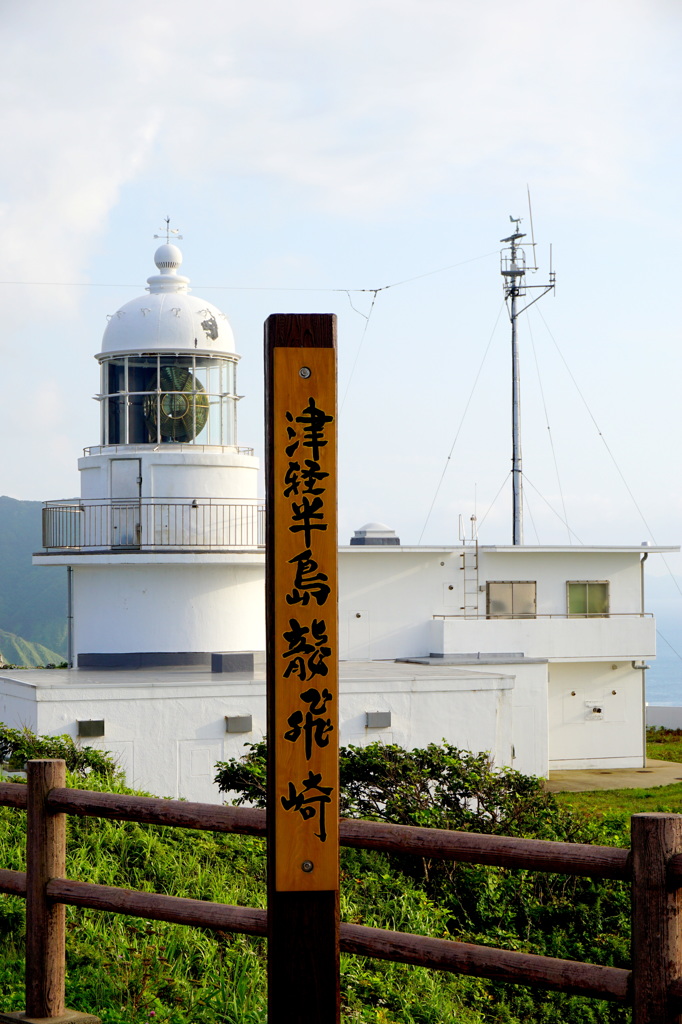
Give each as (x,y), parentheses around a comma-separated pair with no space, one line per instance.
(513,269)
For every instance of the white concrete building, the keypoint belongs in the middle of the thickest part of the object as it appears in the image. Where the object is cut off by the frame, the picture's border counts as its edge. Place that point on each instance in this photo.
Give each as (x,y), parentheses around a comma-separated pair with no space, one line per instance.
(567,624)
(536,654)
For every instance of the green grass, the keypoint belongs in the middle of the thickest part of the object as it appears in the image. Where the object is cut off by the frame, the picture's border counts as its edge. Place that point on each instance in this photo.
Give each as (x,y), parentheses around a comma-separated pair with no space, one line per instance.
(620,803)
(662,745)
(131,971)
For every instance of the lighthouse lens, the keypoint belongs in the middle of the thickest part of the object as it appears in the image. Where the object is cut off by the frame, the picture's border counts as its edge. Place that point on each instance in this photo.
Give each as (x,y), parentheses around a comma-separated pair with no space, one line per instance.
(148,398)
(175,407)
(182,411)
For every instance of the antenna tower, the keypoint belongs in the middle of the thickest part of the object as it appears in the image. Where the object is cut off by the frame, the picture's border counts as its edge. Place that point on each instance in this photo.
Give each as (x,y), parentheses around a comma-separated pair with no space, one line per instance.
(513,270)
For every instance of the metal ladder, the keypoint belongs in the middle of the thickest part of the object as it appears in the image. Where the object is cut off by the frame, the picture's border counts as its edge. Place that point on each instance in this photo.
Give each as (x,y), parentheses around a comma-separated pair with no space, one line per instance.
(469,566)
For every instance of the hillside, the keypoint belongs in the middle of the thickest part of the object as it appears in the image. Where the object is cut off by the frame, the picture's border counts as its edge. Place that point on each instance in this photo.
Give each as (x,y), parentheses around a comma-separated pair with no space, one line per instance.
(14,650)
(32,598)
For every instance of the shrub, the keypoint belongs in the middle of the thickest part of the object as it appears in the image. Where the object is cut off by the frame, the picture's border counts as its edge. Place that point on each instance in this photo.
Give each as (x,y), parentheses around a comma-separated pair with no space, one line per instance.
(439,786)
(442,787)
(17,746)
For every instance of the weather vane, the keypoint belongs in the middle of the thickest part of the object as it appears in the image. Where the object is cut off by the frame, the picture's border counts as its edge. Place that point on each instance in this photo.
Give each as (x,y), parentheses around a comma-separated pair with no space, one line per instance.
(175,232)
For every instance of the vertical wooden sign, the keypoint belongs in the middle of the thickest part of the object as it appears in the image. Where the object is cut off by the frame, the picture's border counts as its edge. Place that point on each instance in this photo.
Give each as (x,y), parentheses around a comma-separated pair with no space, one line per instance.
(302,669)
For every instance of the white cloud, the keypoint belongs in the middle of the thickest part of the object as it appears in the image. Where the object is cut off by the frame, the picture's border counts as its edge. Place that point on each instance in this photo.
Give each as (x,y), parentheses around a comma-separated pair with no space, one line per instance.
(360,106)
(369,111)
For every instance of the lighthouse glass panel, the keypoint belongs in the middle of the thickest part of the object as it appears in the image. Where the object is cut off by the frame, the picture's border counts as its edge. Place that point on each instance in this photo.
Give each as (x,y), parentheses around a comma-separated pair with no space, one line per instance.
(168,399)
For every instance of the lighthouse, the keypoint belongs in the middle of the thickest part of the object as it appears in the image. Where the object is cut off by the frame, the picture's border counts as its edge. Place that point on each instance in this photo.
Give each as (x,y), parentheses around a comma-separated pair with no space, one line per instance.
(165,545)
(535,653)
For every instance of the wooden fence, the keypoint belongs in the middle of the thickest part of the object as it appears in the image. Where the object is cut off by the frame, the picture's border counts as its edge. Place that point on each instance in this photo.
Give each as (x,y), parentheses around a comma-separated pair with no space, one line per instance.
(653,866)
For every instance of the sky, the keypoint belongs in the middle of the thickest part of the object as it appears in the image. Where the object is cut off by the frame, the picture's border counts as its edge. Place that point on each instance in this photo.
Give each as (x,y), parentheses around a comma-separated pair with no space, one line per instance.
(364,159)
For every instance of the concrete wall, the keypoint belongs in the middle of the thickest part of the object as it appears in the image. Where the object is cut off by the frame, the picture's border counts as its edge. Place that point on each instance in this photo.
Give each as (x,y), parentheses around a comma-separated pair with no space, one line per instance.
(187,607)
(607,639)
(169,730)
(174,472)
(529,717)
(389,597)
(552,570)
(590,725)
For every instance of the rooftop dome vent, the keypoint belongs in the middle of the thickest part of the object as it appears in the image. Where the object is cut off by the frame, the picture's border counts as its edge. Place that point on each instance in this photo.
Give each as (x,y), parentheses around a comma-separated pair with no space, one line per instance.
(375,533)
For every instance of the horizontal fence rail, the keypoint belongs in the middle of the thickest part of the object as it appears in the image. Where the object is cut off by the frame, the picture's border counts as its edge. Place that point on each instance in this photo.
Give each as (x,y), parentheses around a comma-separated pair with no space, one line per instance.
(440,954)
(151,524)
(654,867)
(471,847)
(400,947)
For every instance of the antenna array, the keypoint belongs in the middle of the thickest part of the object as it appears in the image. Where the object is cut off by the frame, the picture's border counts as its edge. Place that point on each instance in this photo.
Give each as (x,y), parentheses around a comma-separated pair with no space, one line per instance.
(513,270)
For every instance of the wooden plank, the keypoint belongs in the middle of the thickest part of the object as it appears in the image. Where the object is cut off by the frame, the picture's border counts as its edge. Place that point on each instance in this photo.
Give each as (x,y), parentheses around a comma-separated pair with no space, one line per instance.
(13,794)
(501,851)
(303,958)
(656,918)
(159,907)
(154,811)
(400,947)
(13,882)
(675,869)
(451,846)
(439,954)
(488,962)
(302,669)
(45,920)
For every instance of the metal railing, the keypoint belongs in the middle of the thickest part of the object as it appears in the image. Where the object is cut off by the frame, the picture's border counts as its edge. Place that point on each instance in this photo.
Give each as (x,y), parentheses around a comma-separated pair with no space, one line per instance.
(152,523)
(544,615)
(175,446)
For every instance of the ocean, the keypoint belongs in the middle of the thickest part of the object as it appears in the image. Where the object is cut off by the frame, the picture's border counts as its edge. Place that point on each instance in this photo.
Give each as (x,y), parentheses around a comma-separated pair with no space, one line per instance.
(664,678)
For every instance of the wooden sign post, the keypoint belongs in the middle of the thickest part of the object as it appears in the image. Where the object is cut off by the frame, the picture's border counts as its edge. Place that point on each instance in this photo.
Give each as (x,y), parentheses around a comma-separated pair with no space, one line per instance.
(302,669)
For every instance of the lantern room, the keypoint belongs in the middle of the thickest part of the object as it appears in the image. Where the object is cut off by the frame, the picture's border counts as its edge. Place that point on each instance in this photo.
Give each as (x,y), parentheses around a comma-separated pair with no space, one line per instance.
(168,367)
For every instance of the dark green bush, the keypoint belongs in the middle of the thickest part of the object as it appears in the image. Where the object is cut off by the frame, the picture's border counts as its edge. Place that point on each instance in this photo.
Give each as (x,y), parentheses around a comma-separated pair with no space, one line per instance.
(17,746)
(442,787)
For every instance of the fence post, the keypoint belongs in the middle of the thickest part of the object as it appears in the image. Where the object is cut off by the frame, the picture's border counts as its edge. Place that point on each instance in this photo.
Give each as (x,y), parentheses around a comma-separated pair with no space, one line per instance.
(656,918)
(301,598)
(45,859)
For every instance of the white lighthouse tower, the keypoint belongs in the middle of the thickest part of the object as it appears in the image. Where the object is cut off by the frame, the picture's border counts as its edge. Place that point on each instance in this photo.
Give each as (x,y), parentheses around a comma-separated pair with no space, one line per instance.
(164,547)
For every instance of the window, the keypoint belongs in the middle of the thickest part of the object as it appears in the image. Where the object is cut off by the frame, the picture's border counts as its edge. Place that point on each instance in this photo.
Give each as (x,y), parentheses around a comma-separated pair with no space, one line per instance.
(588,598)
(514,600)
(153,398)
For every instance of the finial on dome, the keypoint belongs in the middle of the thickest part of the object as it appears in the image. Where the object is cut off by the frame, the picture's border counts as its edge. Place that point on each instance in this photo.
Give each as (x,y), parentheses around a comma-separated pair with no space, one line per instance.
(168,258)
(168,231)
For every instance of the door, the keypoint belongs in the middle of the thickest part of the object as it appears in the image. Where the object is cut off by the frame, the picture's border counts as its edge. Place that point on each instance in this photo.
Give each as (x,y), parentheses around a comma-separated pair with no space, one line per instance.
(126,482)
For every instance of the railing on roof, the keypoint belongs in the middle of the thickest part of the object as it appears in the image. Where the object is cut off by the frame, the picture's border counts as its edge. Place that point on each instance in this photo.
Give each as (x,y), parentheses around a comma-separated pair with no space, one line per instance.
(150,524)
(176,446)
(544,615)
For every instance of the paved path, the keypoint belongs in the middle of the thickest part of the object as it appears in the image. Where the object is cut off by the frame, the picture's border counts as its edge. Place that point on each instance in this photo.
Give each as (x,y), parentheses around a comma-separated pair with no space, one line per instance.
(656,773)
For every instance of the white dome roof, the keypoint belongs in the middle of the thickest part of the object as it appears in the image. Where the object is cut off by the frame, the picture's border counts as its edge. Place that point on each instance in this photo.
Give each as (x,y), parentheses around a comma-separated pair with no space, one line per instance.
(375,528)
(168,319)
